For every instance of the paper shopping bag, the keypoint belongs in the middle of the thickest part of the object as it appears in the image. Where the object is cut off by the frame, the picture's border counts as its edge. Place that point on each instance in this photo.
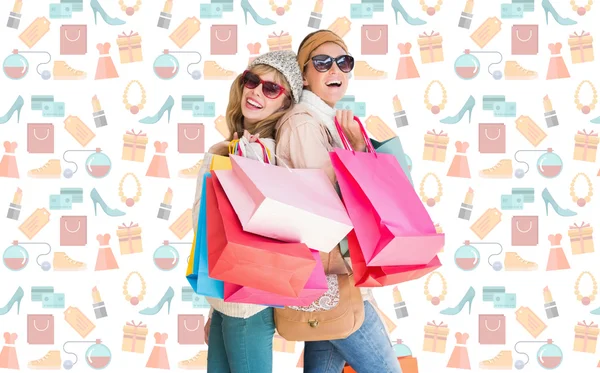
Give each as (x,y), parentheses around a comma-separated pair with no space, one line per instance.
(384,275)
(391,224)
(197,271)
(314,288)
(299,205)
(40,138)
(73,39)
(223,39)
(40,329)
(247,259)
(374,39)
(393,147)
(73,230)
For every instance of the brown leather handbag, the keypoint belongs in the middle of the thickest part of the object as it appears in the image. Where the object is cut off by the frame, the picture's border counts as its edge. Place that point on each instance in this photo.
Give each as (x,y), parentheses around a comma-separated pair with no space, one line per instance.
(336,323)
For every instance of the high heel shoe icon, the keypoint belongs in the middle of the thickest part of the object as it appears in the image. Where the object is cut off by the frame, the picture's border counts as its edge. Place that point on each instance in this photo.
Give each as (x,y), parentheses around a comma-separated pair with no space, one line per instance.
(548,199)
(595,120)
(168,297)
(107,210)
(258,19)
(97,8)
(469,296)
(398,8)
(549,8)
(596,311)
(16,298)
(167,106)
(468,106)
(15,107)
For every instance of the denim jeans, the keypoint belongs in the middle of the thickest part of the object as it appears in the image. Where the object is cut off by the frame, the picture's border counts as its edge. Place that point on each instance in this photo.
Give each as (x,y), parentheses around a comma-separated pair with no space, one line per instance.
(367,350)
(237,345)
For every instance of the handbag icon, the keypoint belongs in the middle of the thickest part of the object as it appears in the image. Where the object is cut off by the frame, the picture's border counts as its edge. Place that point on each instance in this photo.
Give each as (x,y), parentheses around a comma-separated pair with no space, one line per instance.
(73,39)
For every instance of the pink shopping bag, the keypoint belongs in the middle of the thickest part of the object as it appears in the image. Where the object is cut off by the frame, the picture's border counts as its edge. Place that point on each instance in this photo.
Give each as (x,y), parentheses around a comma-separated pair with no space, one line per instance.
(391,224)
(370,277)
(314,288)
(291,205)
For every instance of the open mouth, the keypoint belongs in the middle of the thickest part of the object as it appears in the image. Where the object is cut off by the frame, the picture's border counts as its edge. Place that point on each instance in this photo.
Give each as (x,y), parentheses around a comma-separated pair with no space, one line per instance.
(334,83)
(253,104)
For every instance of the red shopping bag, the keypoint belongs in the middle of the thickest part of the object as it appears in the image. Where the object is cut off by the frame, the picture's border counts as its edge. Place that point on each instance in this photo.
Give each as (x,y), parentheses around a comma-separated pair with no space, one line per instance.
(391,224)
(384,275)
(314,288)
(247,259)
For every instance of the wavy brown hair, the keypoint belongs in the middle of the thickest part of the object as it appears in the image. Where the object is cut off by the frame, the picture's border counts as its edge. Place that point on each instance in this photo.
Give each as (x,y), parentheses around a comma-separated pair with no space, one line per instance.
(266,127)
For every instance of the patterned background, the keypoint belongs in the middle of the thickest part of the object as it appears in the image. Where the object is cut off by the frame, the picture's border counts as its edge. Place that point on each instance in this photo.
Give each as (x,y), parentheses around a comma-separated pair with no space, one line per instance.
(377,94)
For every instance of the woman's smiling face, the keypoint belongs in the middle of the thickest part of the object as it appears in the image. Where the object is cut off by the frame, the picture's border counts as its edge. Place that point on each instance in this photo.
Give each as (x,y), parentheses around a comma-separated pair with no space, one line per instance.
(331,85)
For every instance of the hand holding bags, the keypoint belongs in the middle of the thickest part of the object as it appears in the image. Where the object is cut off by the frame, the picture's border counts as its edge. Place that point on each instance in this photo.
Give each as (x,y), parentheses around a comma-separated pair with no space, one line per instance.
(298,205)
(248,259)
(391,224)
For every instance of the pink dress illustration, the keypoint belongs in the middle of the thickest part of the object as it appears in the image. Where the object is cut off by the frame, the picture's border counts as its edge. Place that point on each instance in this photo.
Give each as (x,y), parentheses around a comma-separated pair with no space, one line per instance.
(460,356)
(406,66)
(8,355)
(8,164)
(106,68)
(557,69)
(159,167)
(557,259)
(106,259)
(460,164)
(158,358)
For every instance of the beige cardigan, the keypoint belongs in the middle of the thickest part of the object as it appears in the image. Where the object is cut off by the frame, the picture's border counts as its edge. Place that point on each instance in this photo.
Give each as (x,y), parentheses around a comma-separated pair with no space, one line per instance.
(305,137)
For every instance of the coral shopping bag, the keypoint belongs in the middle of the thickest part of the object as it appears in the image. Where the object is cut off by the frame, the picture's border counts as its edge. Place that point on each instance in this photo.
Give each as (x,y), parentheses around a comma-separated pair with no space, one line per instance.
(314,288)
(391,224)
(291,205)
(197,270)
(384,275)
(247,259)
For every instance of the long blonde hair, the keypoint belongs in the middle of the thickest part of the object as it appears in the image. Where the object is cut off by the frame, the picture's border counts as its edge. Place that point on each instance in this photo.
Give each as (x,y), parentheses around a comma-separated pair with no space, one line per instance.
(235,119)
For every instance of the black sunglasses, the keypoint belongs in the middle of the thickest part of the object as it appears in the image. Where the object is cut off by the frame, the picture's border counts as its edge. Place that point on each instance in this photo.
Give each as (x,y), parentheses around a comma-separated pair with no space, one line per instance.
(323,62)
(271,90)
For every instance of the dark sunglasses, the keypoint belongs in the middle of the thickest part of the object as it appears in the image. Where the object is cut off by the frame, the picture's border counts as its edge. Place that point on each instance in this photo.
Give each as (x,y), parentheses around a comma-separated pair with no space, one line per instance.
(270,89)
(323,62)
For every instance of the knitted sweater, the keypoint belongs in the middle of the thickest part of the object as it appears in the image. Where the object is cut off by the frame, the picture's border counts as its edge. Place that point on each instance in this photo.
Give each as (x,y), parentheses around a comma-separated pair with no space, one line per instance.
(240,310)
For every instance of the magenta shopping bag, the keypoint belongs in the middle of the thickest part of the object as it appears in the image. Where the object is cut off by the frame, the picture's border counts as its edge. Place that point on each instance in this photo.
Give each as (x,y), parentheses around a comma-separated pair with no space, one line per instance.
(392,226)
(314,288)
(290,205)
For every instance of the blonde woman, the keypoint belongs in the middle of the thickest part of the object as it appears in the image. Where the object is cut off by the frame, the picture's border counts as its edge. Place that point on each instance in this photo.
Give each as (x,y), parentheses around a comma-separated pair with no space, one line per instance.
(240,336)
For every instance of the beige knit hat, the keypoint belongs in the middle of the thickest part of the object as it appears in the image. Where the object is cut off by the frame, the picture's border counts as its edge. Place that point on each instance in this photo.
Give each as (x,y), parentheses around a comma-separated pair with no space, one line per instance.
(286,63)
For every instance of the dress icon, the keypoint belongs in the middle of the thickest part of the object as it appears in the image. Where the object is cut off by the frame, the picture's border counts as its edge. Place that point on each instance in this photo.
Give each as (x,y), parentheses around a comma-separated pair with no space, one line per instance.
(557,69)
(8,355)
(460,164)
(105,259)
(8,164)
(557,259)
(158,358)
(406,66)
(460,356)
(106,68)
(159,167)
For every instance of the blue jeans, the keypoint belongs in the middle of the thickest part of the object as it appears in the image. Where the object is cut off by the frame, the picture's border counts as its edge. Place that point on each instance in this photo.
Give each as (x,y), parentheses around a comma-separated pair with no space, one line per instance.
(367,350)
(237,345)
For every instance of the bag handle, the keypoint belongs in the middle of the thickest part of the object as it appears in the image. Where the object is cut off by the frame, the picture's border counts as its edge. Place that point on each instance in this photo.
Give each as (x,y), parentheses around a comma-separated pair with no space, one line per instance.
(243,139)
(72,40)
(346,142)
(524,40)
